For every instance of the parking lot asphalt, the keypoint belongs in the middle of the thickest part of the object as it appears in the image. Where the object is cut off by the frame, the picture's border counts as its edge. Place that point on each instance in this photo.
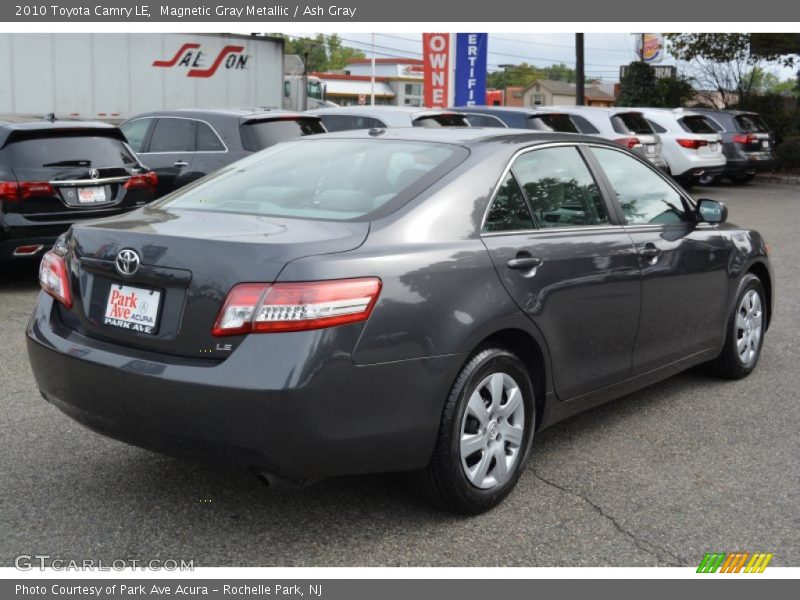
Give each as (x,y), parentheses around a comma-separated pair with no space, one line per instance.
(691,465)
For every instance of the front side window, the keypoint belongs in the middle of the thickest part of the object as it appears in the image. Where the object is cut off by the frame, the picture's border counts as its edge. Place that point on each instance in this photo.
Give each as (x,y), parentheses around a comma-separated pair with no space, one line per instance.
(508,212)
(645,197)
(135,132)
(560,188)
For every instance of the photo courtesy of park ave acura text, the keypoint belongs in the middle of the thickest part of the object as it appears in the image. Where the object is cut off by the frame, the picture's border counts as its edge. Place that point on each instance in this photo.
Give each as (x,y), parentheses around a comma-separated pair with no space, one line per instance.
(489,297)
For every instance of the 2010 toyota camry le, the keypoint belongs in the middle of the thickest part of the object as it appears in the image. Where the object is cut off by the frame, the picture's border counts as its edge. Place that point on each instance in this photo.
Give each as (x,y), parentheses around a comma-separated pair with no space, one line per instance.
(420,300)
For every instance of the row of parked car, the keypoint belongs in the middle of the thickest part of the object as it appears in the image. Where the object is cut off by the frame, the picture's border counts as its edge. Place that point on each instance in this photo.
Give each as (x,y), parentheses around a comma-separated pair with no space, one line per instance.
(55,172)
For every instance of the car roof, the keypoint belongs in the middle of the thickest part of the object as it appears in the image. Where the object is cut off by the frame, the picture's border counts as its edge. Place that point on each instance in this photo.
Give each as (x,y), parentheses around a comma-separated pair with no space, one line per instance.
(242,113)
(463,136)
(399,115)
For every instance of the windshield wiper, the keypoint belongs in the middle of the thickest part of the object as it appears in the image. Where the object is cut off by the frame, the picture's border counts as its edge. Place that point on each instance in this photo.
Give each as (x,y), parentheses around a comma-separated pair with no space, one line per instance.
(79,162)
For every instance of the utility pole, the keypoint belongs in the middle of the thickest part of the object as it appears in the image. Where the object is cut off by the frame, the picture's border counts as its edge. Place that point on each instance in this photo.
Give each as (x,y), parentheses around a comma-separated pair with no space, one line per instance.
(505,81)
(580,95)
(641,54)
(372,76)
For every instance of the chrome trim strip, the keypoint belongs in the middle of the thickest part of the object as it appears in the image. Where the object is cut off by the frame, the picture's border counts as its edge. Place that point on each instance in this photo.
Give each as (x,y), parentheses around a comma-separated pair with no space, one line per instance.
(90,181)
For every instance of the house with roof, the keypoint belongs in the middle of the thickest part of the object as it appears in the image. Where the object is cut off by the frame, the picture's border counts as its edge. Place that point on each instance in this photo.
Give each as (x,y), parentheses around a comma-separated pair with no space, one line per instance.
(549,92)
(398,82)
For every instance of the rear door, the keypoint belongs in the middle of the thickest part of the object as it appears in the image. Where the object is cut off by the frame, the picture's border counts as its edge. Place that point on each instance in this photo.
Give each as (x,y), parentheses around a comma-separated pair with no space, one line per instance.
(683,263)
(568,264)
(170,150)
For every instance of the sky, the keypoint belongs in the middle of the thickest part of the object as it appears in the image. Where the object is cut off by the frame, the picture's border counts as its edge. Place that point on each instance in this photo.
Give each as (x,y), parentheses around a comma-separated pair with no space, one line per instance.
(604,52)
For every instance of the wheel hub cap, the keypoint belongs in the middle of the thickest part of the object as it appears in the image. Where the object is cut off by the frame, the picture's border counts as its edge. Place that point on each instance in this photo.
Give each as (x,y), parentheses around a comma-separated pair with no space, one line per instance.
(749,327)
(492,430)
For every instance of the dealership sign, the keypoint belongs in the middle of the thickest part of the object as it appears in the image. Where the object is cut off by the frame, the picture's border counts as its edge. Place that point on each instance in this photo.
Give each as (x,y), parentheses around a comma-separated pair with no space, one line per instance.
(436,73)
(470,69)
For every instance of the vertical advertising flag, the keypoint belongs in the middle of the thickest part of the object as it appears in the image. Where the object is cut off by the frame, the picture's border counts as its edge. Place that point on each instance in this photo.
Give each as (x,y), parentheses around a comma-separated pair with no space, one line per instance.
(471,68)
(436,73)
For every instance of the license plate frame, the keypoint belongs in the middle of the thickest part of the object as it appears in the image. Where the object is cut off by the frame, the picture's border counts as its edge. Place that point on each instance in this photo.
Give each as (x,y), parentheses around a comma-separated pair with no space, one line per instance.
(133,308)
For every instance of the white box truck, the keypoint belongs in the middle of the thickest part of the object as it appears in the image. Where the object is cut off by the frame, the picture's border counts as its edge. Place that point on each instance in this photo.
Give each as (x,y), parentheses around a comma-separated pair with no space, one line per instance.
(113,76)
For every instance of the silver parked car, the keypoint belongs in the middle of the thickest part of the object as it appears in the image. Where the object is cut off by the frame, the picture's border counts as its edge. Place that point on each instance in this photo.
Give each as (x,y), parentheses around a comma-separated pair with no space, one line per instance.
(347,118)
(625,126)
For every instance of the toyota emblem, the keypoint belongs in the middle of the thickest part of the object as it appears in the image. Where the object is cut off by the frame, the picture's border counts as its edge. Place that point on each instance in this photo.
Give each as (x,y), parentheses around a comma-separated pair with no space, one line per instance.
(127,262)
(94,174)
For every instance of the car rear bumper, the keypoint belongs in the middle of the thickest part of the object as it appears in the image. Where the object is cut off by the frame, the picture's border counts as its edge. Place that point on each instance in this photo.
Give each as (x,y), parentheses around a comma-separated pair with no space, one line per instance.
(739,167)
(259,408)
(16,231)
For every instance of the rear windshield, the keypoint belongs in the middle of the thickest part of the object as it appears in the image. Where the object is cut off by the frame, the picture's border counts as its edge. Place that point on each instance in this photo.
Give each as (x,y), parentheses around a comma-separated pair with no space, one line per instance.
(631,122)
(751,123)
(552,122)
(477,120)
(335,179)
(442,120)
(257,135)
(69,151)
(350,122)
(697,124)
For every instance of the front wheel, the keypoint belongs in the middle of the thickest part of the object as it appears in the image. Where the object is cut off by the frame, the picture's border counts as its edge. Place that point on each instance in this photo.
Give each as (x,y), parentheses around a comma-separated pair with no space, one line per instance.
(484,436)
(745,331)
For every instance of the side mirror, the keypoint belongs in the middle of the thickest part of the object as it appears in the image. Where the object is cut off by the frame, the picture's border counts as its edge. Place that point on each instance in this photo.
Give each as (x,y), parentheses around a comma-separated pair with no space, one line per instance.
(711,211)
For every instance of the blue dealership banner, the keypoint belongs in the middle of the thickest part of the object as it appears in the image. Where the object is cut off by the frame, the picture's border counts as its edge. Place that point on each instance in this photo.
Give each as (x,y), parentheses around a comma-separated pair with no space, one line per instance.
(471,69)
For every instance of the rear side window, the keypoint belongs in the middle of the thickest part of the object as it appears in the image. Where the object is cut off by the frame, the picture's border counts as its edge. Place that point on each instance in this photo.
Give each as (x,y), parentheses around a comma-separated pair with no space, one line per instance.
(751,123)
(552,122)
(135,132)
(696,124)
(257,135)
(509,212)
(350,122)
(442,120)
(69,151)
(656,127)
(560,188)
(477,120)
(644,196)
(172,135)
(207,139)
(323,178)
(583,125)
(631,122)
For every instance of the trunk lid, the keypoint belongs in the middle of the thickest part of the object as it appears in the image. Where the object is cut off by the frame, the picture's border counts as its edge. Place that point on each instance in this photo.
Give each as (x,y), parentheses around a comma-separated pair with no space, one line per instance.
(188,262)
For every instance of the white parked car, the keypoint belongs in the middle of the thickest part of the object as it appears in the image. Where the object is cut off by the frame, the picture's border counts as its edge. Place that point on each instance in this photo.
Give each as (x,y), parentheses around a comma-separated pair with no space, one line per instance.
(690,144)
(626,126)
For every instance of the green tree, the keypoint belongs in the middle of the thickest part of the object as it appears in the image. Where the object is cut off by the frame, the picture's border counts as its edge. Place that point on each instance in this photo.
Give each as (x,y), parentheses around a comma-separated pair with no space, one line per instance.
(325,52)
(638,86)
(673,92)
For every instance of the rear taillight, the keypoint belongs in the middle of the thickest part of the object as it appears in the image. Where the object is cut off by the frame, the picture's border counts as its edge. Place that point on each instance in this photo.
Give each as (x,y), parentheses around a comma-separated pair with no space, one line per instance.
(145,181)
(628,142)
(15,192)
(264,308)
(692,144)
(54,278)
(744,138)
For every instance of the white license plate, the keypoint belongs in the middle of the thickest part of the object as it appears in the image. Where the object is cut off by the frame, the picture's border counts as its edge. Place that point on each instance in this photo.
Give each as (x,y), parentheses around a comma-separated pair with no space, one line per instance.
(765,144)
(713,146)
(132,308)
(89,195)
(651,148)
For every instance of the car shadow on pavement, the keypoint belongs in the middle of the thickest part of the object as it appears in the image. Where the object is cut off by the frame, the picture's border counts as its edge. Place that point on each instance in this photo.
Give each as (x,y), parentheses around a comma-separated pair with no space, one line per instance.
(19,276)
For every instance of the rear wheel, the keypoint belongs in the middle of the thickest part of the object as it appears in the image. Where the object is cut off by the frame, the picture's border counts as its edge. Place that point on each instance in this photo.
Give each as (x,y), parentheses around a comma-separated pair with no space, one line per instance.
(709,179)
(484,436)
(746,326)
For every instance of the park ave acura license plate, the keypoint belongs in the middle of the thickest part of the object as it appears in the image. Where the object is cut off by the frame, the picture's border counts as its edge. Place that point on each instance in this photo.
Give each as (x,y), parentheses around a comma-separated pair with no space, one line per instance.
(132,308)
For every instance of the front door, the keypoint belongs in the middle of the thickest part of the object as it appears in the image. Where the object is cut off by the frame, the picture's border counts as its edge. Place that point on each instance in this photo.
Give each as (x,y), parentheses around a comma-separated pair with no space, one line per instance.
(683,263)
(569,265)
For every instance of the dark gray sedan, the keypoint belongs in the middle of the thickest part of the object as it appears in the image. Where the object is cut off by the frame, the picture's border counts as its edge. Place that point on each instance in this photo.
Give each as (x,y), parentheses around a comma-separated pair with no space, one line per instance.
(394,300)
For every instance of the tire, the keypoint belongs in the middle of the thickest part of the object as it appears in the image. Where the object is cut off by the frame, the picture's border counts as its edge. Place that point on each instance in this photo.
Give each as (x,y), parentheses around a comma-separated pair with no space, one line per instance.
(741,179)
(475,483)
(750,310)
(709,179)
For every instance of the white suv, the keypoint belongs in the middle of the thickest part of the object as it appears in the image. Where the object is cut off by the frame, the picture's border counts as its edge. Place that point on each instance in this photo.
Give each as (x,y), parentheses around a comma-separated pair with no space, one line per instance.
(691,145)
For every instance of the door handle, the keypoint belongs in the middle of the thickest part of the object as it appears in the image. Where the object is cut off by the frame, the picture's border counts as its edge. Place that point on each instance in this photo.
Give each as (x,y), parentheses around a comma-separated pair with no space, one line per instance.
(650,253)
(180,163)
(524,262)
